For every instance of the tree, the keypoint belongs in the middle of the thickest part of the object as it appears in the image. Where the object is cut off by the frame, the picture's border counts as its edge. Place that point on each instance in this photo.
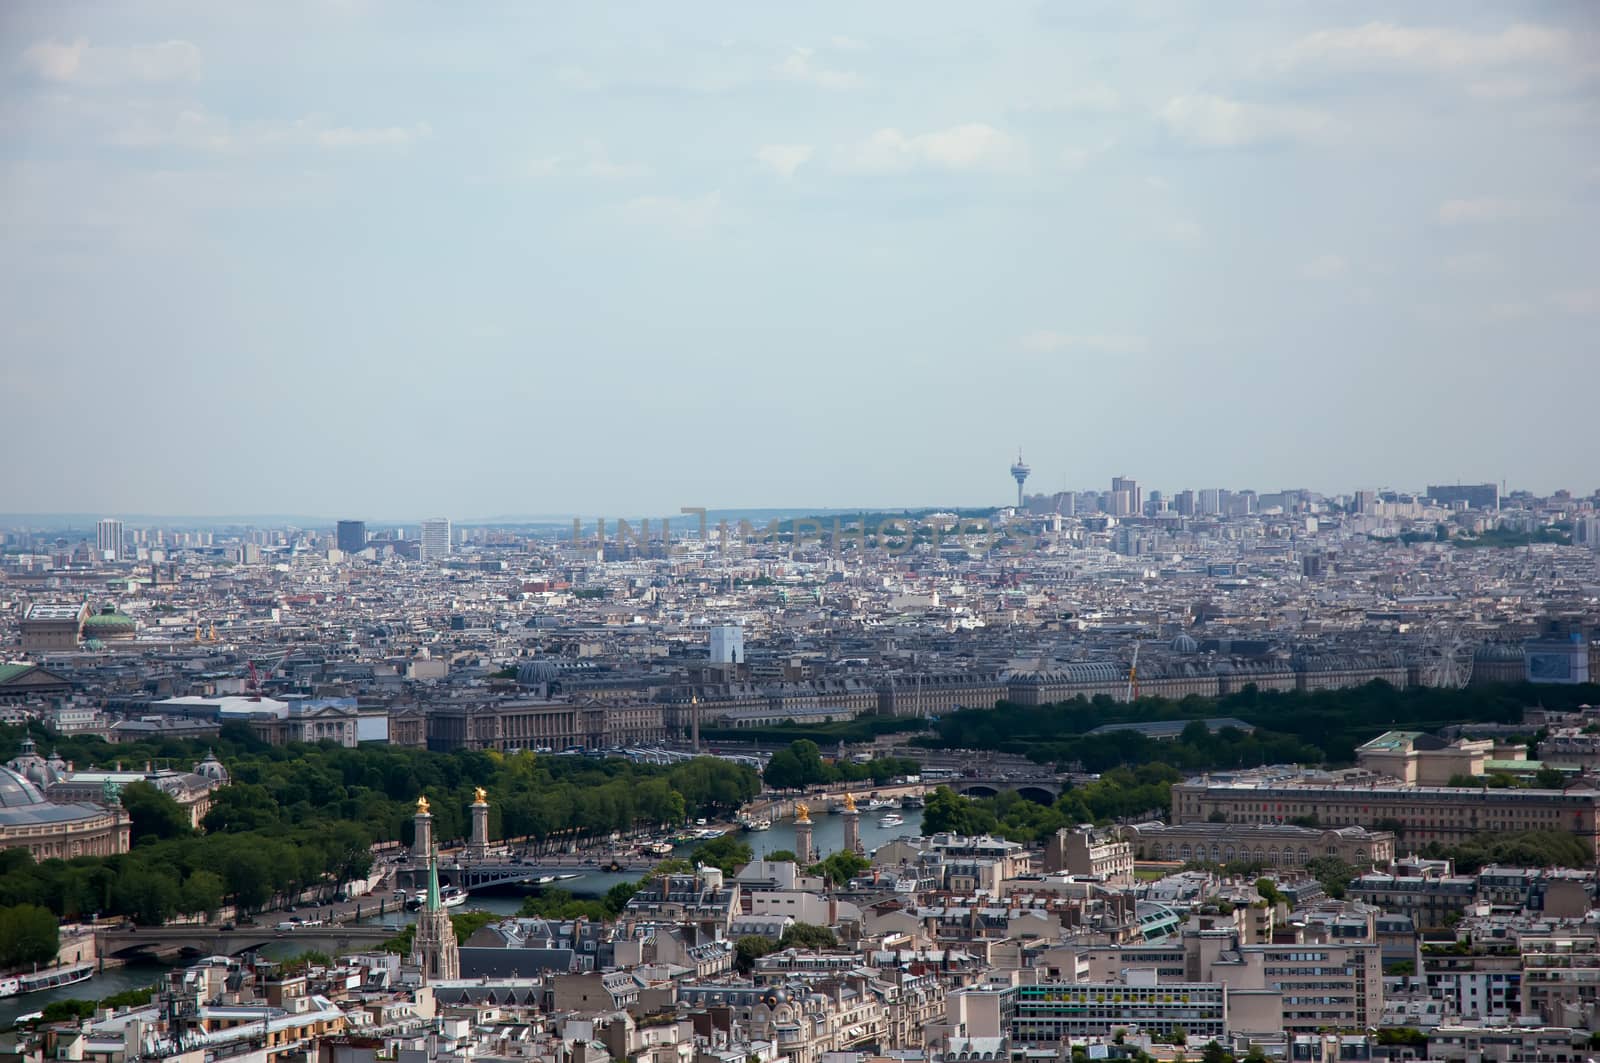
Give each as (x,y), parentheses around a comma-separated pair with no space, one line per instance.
(797,766)
(750,948)
(840,867)
(149,895)
(1334,874)
(618,896)
(28,934)
(1268,890)
(780,855)
(726,852)
(807,936)
(201,892)
(154,814)
(1549,779)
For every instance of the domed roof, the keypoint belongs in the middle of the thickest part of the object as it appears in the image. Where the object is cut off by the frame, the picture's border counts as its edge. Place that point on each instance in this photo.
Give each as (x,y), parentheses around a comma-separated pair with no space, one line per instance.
(1185,643)
(211,768)
(16,791)
(1500,651)
(109,622)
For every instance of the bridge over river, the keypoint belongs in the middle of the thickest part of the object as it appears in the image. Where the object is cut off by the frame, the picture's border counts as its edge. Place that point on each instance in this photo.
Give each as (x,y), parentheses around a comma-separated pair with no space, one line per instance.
(205,940)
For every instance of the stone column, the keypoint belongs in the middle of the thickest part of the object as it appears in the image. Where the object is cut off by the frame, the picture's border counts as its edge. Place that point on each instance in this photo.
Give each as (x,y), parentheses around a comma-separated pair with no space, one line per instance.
(852,827)
(802,836)
(422,836)
(479,849)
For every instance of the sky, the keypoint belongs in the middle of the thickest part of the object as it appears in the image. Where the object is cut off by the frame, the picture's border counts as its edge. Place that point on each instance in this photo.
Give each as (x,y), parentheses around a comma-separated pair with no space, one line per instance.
(359,258)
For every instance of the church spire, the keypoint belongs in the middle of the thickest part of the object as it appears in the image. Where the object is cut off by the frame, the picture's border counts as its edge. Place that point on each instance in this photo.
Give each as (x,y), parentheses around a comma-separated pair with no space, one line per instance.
(433,881)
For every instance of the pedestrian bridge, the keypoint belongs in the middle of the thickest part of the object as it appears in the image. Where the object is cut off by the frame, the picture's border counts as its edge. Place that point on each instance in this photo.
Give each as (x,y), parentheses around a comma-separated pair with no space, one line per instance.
(214,941)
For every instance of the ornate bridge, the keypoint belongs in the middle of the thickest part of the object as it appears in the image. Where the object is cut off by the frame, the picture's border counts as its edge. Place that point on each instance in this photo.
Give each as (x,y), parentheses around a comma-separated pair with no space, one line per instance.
(1042,788)
(477,875)
(214,941)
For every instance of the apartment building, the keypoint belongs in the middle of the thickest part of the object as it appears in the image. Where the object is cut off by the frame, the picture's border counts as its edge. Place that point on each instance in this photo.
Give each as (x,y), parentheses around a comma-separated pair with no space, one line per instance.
(1086,851)
(1506,1044)
(1267,844)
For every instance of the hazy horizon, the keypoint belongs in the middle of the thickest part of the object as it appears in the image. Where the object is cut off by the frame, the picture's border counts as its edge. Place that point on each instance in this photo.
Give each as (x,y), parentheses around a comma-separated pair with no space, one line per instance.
(341,256)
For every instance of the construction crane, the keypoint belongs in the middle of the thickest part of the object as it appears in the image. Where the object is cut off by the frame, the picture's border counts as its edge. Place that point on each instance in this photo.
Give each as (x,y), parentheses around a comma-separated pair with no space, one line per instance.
(1133,673)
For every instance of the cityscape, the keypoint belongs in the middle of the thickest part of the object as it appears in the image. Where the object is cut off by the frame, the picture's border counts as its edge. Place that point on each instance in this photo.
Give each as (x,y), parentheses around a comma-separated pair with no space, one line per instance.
(1037,532)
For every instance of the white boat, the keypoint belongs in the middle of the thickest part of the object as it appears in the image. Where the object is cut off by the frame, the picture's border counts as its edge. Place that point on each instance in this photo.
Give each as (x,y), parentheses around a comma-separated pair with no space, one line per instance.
(452,897)
(658,848)
(893,819)
(709,833)
(753,824)
(53,978)
(879,803)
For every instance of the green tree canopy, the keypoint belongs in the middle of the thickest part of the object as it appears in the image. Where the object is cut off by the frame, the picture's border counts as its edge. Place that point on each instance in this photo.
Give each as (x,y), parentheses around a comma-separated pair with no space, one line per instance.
(28,934)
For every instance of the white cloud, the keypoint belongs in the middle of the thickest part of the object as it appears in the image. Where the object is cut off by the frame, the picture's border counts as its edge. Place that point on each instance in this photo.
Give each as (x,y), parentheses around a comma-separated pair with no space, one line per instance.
(1500,89)
(1078,158)
(974,146)
(1325,267)
(593,161)
(196,129)
(1094,98)
(386,137)
(1048,341)
(683,216)
(784,159)
(1472,262)
(80,63)
(847,44)
(1430,48)
(1483,209)
(799,67)
(1578,301)
(1508,310)
(1184,231)
(1217,122)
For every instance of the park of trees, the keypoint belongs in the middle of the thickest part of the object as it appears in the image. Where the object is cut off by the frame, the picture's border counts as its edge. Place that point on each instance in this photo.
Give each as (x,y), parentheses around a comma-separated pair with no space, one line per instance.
(297,817)
(1289,727)
(1121,793)
(800,764)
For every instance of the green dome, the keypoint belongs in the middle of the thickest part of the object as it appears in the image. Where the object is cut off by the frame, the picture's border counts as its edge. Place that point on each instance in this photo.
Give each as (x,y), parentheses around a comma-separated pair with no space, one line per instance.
(109,623)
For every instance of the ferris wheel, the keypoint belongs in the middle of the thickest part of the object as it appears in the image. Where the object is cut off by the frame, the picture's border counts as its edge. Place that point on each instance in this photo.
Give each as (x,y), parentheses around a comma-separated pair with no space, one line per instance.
(1446,657)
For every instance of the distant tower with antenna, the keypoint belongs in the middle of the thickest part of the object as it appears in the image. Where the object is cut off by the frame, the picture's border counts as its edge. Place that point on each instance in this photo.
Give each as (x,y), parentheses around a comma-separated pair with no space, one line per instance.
(1019,473)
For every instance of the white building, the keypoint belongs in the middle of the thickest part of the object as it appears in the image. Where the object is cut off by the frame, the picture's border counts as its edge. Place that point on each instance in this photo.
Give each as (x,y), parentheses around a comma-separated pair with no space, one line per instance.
(727,644)
(435,539)
(108,539)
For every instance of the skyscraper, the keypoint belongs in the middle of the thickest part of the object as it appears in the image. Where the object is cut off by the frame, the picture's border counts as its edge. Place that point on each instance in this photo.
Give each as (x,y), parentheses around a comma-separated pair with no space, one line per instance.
(435,539)
(1135,502)
(352,536)
(108,539)
(1474,496)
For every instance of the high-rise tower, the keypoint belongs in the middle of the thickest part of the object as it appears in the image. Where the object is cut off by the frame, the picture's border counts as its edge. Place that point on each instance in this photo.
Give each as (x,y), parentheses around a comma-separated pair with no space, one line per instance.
(108,540)
(433,948)
(351,536)
(1019,473)
(434,542)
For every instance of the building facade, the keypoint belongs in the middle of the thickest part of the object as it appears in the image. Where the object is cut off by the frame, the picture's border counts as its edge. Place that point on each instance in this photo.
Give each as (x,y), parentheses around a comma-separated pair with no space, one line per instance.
(1425,813)
(1266,844)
